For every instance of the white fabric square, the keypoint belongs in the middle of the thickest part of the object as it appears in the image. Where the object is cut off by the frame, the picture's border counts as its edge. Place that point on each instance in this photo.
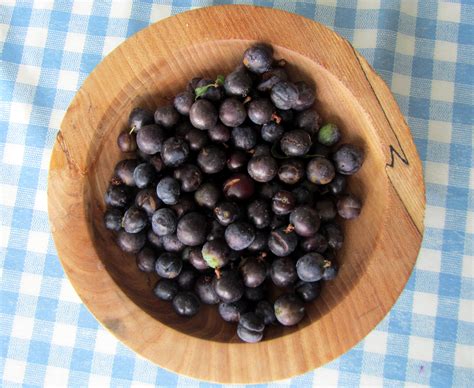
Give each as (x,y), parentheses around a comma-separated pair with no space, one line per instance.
(325,377)
(437,173)
(470,222)
(442,90)
(440,131)
(82,7)
(13,154)
(99,381)
(420,348)
(68,80)
(64,335)
(449,11)
(159,11)
(405,44)
(28,74)
(468,266)
(425,303)
(110,42)
(365,38)
(429,260)
(4,236)
(38,242)
(466,310)
(36,37)
(20,113)
(409,7)
(435,217)
(56,377)
(75,42)
(41,201)
(8,195)
(43,4)
(370,381)
(401,84)
(120,9)
(22,327)
(376,342)
(56,118)
(139,384)
(68,293)
(445,51)
(105,342)
(30,284)
(45,159)
(368,4)
(14,371)
(464,356)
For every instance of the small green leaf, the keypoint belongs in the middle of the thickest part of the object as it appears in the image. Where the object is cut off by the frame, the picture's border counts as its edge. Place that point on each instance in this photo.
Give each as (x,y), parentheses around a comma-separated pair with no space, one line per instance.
(201,90)
(220,80)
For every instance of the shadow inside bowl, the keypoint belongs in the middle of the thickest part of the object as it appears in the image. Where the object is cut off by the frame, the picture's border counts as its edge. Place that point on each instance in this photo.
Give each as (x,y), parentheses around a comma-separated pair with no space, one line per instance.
(157,85)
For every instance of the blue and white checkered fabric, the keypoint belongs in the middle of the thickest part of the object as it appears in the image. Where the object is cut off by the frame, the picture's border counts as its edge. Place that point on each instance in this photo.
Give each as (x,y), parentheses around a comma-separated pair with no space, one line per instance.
(425,52)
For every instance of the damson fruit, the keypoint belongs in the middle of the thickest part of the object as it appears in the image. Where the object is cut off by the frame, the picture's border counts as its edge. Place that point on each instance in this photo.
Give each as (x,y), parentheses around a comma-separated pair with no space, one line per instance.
(203,114)
(239,235)
(156,162)
(326,209)
(338,184)
(131,242)
(315,243)
(154,239)
(249,336)
(190,177)
(329,135)
(260,242)
(305,221)
(175,152)
(196,139)
(320,170)
(259,213)
(348,159)
(227,213)
(150,139)
(283,272)
(271,131)
(260,111)
(281,242)
(244,137)
(330,271)
(310,267)
(237,160)
(127,142)
(283,202)
(308,291)
(334,235)
(166,289)
(146,259)
(212,159)
(295,143)
(239,187)
(229,287)
(191,229)
(168,265)
(238,83)
(349,207)
(166,116)
(271,78)
(185,205)
(255,294)
(258,58)
(168,190)
(113,219)
(268,190)
(215,253)
(196,259)
(264,310)
(289,309)
(148,201)
(205,290)
(253,272)
(231,312)
(171,243)
(212,93)
(139,117)
(284,95)
(309,120)
(232,112)
(217,231)
(164,221)
(134,220)
(186,303)
(207,195)
(187,278)
(306,96)
(124,171)
(291,171)
(262,168)
(143,175)
(219,133)
(118,196)
(183,102)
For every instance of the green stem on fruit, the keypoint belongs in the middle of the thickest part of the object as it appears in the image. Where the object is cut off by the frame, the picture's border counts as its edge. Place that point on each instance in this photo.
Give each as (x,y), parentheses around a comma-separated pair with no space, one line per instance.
(200,91)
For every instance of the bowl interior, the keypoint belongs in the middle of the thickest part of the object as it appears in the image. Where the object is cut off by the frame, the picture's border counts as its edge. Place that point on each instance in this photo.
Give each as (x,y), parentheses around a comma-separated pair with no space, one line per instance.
(157,85)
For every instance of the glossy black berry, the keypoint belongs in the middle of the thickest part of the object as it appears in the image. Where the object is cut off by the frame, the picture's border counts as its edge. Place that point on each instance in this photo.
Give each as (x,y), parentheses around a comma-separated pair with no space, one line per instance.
(291,171)
(228,287)
(164,221)
(139,117)
(205,290)
(253,272)
(283,202)
(131,242)
(348,159)
(271,131)
(305,220)
(166,289)
(175,152)
(191,229)
(168,190)
(283,272)
(146,259)
(320,170)
(284,95)
(127,142)
(232,112)
(310,267)
(190,177)
(239,235)
(203,114)
(258,58)
(212,159)
(134,220)
(259,213)
(166,116)
(168,265)
(143,175)
(239,187)
(207,195)
(295,143)
(260,111)
(308,291)
(186,303)
(215,253)
(238,83)
(227,212)
(289,309)
(282,242)
(124,171)
(306,96)
(183,102)
(148,201)
(244,137)
(113,219)
(150,139)
(349,207)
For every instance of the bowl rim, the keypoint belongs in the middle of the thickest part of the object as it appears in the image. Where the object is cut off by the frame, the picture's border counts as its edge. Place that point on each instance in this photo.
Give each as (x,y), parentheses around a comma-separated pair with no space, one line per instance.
(404,180)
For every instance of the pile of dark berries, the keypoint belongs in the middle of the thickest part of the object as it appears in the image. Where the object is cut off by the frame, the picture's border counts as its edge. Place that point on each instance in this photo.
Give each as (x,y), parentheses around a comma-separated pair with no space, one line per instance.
(234,190)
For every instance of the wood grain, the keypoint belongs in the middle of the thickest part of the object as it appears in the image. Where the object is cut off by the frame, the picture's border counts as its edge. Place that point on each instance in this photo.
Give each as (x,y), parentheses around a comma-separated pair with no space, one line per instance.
(148,69)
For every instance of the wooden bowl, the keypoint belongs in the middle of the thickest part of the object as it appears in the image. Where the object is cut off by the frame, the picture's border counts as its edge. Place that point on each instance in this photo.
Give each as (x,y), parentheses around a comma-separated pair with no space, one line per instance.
(146,70)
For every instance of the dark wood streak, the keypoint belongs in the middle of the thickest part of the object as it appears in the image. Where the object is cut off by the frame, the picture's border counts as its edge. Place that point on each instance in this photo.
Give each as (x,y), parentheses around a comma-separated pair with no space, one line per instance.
(392,149)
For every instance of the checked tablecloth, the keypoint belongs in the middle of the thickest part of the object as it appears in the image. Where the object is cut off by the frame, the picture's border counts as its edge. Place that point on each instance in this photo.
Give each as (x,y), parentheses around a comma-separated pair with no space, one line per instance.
(422,49)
